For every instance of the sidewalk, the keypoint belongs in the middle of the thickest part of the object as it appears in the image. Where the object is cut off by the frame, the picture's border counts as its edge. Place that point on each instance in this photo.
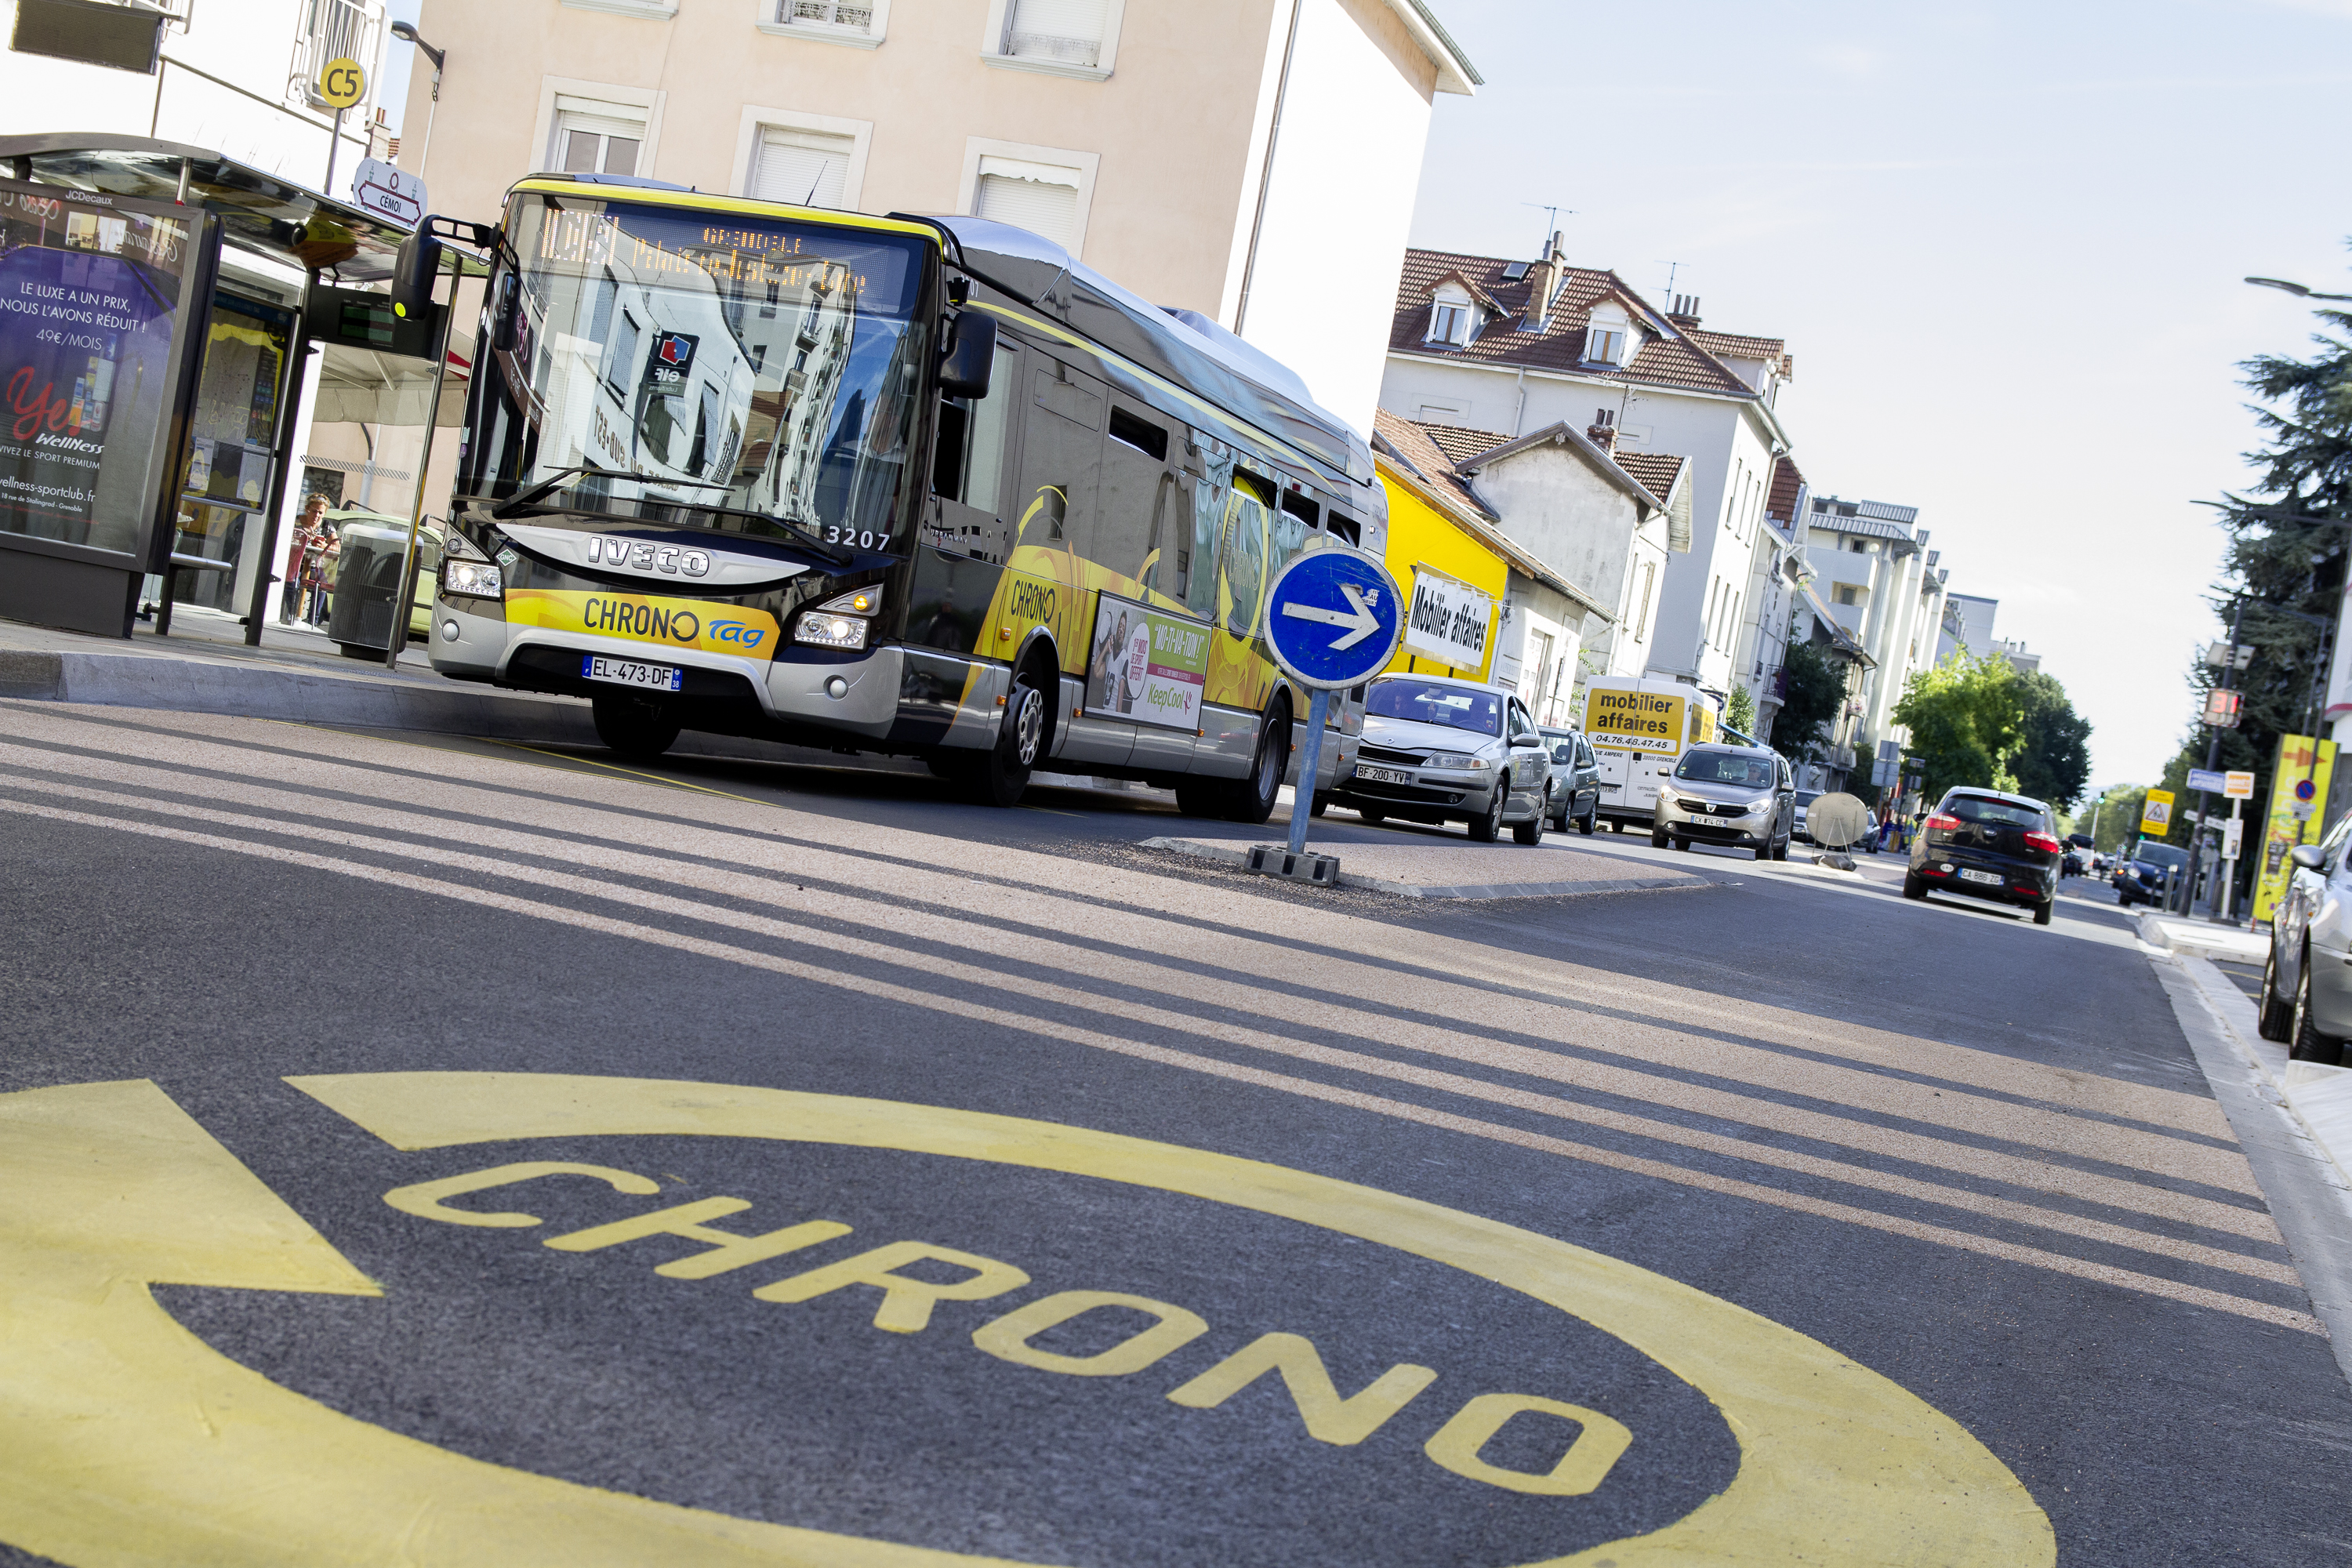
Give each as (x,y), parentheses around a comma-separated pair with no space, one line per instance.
(2319,1097)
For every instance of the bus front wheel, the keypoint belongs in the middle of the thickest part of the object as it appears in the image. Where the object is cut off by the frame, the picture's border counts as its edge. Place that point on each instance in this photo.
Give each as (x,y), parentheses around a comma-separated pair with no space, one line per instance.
(1252,799)
(1002,773)
(639,727)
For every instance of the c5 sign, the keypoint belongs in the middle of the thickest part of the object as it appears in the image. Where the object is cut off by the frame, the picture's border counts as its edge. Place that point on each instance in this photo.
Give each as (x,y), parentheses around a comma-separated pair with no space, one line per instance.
(342,82)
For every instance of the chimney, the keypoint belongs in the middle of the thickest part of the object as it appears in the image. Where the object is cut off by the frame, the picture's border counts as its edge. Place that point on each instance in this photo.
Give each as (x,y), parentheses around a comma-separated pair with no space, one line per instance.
(1685,312)
(1603,430)
(1543,285)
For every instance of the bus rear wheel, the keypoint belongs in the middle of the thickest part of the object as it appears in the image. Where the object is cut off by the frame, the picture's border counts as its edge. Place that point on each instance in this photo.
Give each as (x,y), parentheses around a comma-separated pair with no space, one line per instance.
(1252,800)
(639,727)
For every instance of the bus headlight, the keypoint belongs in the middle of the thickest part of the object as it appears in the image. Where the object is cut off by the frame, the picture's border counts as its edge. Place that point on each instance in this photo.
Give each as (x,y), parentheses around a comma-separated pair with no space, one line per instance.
(471,579)
(822,630)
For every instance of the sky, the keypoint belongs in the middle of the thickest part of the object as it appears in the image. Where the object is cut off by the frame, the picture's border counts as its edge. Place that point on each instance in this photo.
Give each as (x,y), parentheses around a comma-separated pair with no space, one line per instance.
(2005,242)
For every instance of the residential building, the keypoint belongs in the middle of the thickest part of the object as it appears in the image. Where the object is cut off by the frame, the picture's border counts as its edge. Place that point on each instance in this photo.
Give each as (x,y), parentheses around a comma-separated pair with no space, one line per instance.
(1967,624)
(1779,572)
(2020,660)
(1486,607)
(1604,527)
(241,79)
(1513,346)
(1874,577)
(1254,161)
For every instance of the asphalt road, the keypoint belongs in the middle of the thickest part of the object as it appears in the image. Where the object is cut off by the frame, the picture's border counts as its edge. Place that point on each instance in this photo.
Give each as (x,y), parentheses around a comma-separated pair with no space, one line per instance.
(793,1165)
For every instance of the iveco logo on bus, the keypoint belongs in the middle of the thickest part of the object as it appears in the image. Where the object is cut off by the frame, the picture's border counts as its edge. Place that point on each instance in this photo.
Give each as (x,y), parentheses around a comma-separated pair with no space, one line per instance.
(636,556)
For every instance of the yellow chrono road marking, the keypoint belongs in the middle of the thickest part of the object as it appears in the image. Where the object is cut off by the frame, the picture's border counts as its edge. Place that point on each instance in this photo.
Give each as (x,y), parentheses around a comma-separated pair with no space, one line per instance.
(129,1441)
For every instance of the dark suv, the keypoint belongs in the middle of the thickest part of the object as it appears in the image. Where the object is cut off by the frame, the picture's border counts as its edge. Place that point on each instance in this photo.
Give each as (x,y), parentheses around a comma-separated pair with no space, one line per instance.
(1991,846)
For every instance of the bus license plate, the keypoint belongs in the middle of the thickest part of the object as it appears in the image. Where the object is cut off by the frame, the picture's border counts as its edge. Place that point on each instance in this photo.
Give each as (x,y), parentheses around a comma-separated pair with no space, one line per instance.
(629,672)
(1992,877)
(1382,775)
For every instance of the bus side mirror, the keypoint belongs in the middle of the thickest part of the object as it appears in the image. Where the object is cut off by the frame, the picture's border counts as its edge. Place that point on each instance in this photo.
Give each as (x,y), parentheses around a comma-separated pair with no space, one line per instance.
(970,355)
(2307,855)
(414,268)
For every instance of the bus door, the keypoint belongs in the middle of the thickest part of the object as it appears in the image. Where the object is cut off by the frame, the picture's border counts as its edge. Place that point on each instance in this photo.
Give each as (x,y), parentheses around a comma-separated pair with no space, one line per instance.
(1148,660)
(953,676)
(1045,585)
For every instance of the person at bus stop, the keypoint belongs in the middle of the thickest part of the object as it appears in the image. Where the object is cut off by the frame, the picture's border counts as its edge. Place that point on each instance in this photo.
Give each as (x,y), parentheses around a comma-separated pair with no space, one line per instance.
(298,554)
(319,573)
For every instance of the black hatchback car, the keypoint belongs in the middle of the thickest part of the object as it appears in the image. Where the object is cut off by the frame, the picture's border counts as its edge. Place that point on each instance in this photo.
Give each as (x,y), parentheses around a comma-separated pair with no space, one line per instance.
(1991,846)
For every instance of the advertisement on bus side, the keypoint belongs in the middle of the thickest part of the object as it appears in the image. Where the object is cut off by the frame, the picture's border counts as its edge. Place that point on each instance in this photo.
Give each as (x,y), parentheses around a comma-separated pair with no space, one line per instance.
(1145,666)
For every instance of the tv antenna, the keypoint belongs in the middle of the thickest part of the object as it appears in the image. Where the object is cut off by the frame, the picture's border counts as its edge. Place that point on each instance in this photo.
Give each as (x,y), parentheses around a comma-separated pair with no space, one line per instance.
(1671,267)
(1551,224)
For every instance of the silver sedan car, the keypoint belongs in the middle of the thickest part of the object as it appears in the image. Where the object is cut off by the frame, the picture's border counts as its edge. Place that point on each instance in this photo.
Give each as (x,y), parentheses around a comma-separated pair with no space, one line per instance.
(2306,998)
(1736,796)
(1437,749)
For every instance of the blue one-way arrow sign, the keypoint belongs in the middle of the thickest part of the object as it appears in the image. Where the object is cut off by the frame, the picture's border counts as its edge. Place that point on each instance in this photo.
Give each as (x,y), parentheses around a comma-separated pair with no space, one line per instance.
(1333,617)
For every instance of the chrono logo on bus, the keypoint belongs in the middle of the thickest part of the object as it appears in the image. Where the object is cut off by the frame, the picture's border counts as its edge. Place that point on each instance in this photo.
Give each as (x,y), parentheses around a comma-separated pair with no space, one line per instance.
(648,621)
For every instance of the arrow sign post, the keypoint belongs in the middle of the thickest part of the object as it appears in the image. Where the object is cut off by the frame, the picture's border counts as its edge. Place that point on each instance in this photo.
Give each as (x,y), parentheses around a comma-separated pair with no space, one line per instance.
(1333,619)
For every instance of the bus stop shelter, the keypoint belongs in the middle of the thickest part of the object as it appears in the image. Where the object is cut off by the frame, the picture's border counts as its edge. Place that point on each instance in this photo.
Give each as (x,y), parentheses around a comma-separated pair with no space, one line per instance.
(159,305)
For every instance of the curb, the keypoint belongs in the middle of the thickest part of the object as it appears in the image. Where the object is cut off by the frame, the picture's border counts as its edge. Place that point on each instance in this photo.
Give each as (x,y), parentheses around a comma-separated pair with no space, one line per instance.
(1240,857)
(241,690)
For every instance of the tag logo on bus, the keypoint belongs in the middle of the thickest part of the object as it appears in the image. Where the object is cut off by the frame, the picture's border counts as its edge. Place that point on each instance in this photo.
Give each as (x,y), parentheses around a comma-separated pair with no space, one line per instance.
(633,556)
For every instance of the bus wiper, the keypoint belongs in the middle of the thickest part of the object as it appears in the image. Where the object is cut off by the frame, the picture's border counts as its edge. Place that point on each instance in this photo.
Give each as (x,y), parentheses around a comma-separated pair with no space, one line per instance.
(514,505)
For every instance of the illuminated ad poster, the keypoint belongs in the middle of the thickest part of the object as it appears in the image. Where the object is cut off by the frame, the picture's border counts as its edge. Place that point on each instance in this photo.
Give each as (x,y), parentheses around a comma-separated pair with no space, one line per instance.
(2299,780)
(89,286)
(1147,666)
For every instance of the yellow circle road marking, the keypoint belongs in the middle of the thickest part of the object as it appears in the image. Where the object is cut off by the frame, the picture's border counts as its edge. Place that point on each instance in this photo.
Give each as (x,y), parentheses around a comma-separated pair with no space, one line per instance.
(130,1441)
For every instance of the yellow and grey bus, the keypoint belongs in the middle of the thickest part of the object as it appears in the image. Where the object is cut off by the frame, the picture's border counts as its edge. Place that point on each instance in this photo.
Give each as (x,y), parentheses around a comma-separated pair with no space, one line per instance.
(916,486)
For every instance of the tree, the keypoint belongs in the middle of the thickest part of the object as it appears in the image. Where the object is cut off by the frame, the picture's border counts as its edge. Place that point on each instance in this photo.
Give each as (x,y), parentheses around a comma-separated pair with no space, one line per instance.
(2054,762)
(2119,817)
(1966,717)
(1811,689)
(1740,712)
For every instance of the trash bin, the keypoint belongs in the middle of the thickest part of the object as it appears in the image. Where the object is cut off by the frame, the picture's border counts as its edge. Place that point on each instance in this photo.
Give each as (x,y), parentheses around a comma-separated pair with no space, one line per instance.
(368,567)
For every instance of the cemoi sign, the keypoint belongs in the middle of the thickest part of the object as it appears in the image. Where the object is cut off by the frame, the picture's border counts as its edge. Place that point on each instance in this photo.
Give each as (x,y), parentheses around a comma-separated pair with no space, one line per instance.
(1449,621)
(388,191)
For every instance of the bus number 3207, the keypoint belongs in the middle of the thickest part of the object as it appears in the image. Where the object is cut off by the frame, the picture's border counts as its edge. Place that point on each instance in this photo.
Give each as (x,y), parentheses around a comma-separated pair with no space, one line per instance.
(835,535)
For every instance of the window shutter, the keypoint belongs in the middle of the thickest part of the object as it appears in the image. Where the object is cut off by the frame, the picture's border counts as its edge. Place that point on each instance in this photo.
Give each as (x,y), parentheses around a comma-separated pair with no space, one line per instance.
(1039,197)
(616,128)
(803,168)
(1069,31)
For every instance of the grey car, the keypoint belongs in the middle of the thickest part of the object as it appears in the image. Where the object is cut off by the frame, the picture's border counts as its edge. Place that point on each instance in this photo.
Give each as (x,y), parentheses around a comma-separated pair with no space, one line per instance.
(2306,998)
(1437,749)
(1737,795)
(1575,781)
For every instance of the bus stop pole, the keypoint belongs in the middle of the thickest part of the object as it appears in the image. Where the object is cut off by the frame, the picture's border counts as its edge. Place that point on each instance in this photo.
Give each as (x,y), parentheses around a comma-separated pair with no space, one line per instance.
(397,640)
(1302,802)
(290,412)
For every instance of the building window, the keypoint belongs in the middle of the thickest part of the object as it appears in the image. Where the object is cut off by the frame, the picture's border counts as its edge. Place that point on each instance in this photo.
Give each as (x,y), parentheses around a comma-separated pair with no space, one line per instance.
(801,168)
(334,30)
(1056,32)
(593,138)
(840,14)
(1449,323)
(1604,345)
(1848,594)
(1039,197)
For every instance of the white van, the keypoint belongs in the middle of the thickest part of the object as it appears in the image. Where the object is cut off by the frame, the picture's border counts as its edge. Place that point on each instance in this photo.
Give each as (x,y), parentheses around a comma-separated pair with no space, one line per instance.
(1639,727)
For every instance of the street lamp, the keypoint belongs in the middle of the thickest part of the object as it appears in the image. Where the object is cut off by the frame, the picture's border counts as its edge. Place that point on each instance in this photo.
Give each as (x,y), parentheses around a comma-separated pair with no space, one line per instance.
(408,35)
(2297,290)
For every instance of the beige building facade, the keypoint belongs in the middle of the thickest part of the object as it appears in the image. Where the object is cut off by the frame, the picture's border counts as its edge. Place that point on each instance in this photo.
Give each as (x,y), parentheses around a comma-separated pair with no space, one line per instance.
(1254,161)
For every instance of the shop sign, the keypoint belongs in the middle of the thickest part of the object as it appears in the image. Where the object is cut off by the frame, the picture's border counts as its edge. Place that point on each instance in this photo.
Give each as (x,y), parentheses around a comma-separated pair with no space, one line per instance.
(89,288)
(1450,621)
(389,191)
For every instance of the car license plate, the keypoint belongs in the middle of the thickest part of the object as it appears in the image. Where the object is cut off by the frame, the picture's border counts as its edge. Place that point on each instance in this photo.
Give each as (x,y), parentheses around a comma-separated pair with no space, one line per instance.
(629,672)
(1992,877)
(1382,775)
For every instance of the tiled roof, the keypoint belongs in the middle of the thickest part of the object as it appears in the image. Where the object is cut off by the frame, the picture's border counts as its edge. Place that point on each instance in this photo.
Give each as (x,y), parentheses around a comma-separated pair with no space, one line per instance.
(1787,481)
(1871,519)
(1656,470)
(1676,361)
(1459,442)
(1424,456)
(1773,351)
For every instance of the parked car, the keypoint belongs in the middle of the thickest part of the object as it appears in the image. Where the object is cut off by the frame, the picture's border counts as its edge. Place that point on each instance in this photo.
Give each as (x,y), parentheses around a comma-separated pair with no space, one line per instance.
(1988,845)
(2139,875)
(1741,796)
(1575,781)
(1437,749)
(1805,797)
(2306,997)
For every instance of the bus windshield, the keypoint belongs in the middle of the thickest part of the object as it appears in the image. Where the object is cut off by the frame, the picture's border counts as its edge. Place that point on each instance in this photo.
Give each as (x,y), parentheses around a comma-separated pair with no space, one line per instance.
(695,367)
